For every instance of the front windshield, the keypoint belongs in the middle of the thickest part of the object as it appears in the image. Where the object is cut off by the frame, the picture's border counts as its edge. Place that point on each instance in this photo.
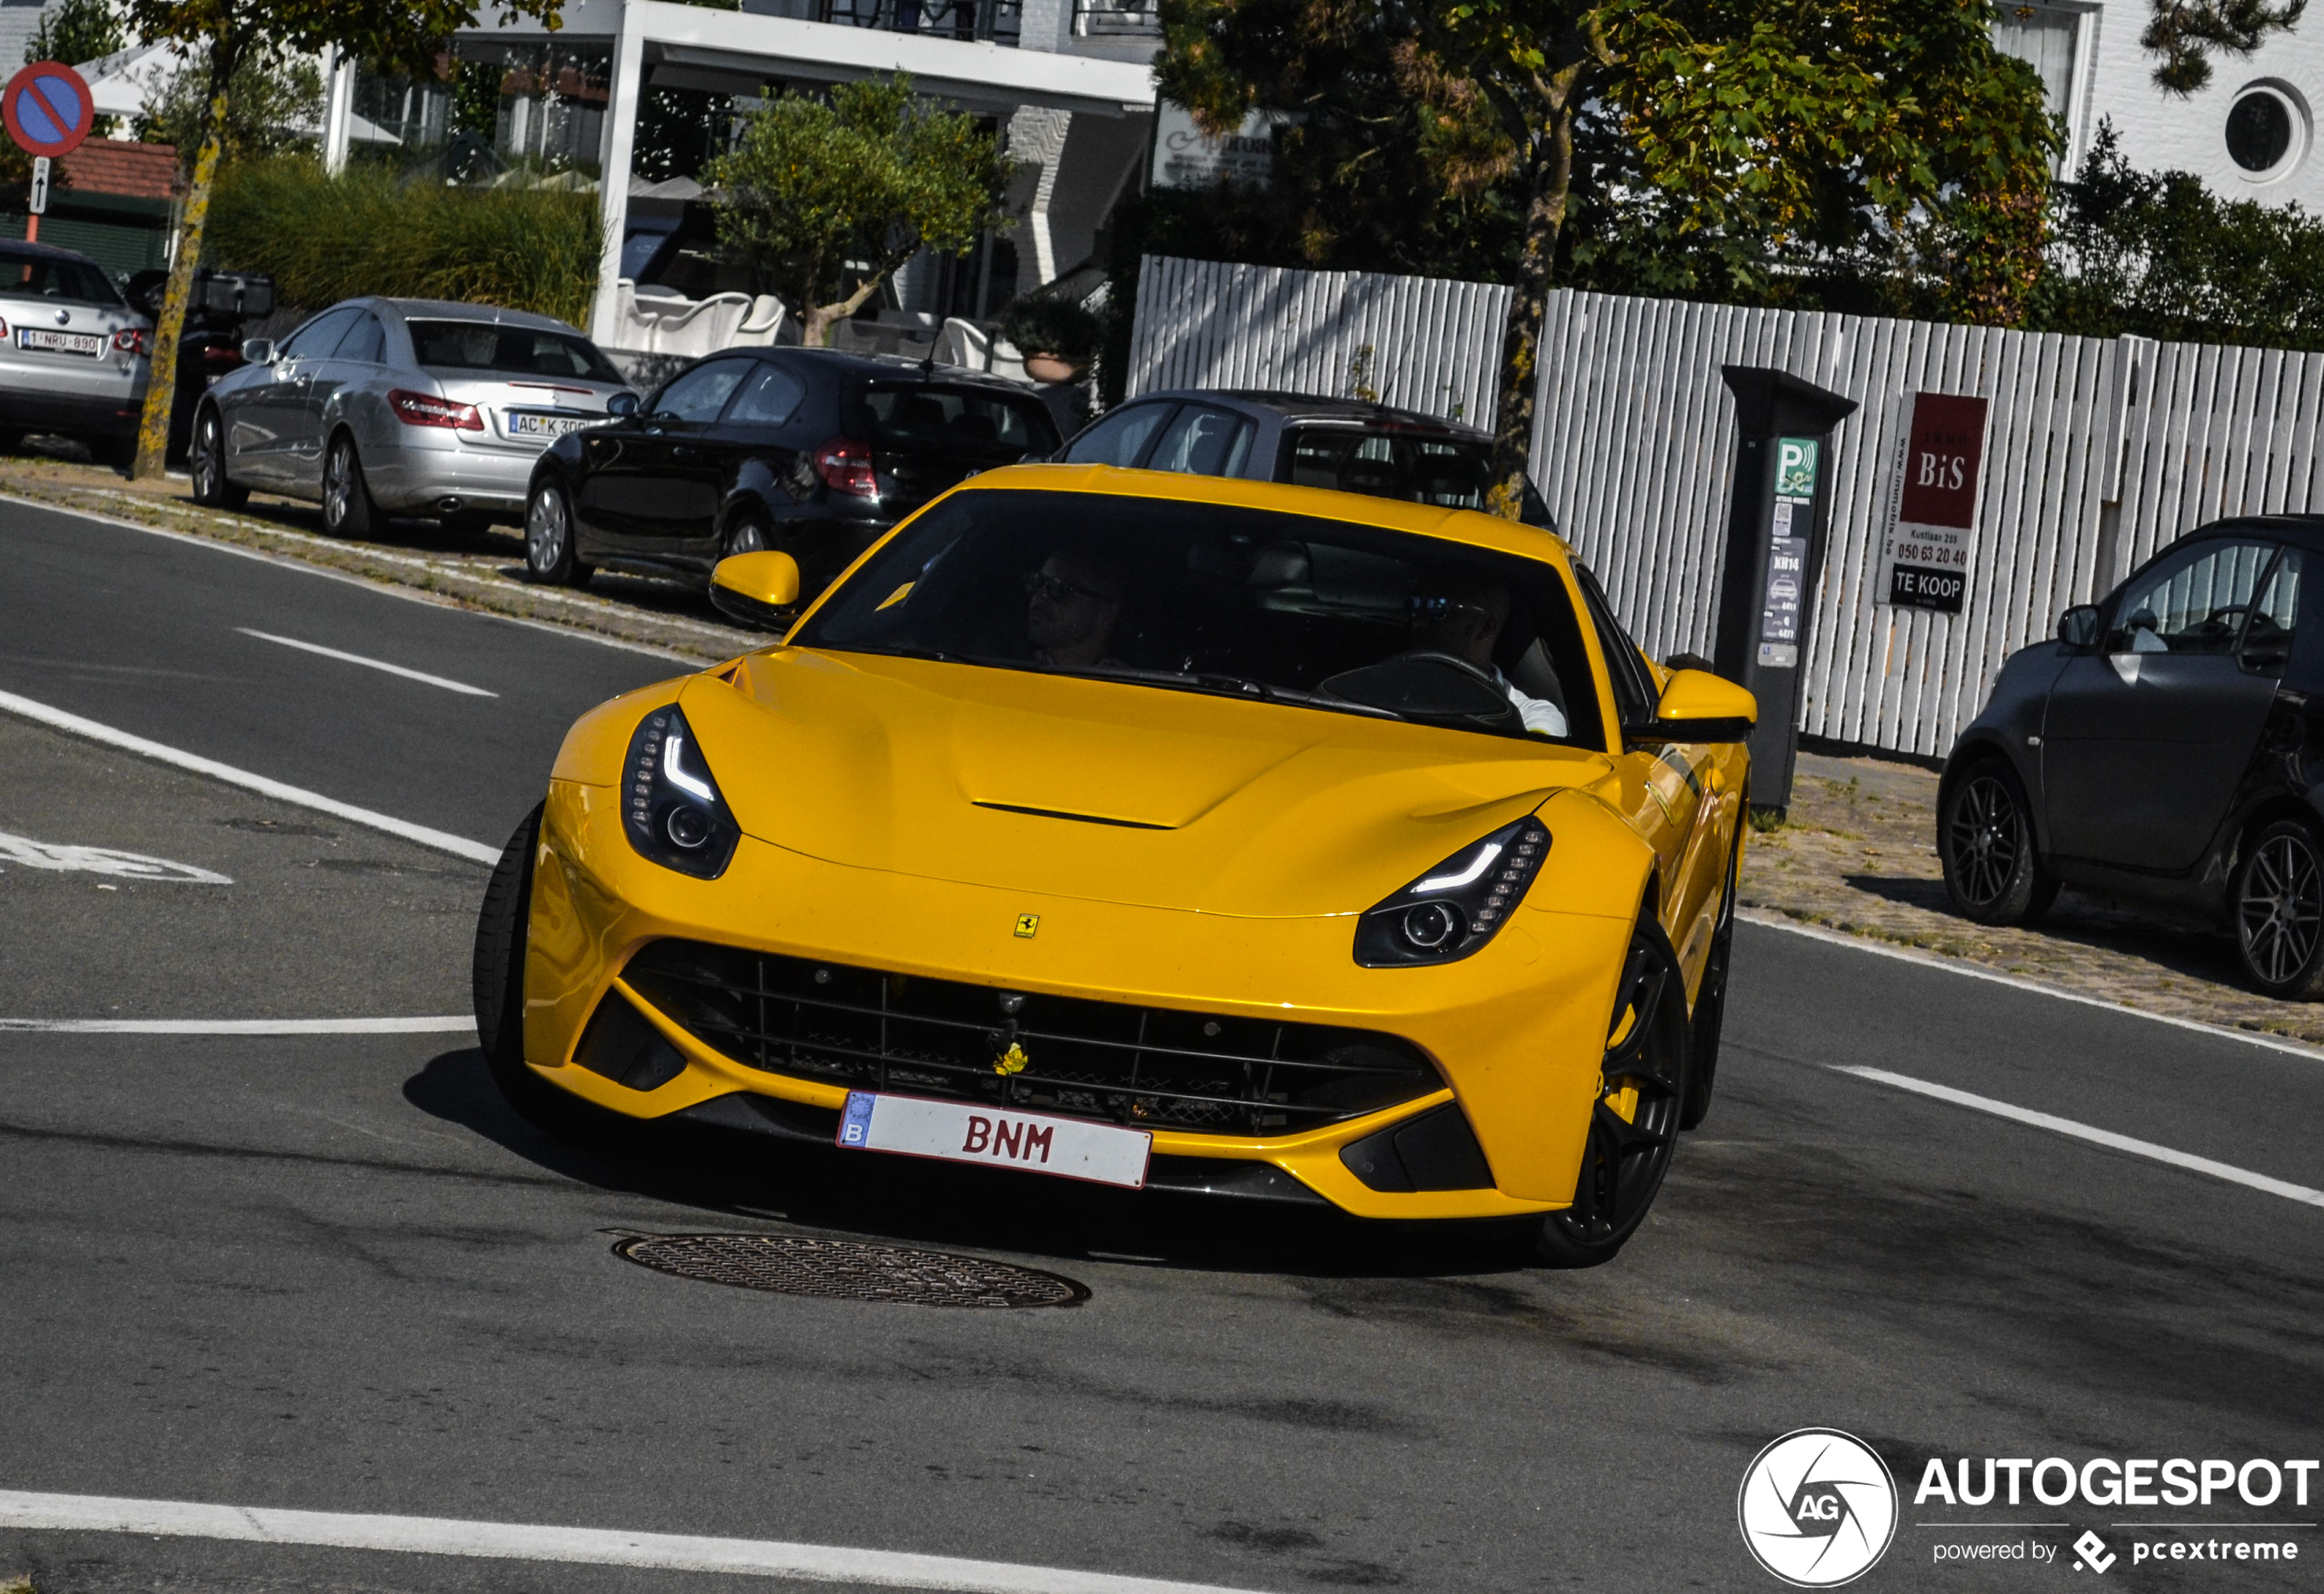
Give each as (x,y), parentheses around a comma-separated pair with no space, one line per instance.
(1244,602)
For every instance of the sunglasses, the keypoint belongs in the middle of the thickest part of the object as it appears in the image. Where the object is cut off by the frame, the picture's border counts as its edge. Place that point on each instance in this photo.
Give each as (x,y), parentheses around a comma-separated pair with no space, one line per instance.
(1057,589)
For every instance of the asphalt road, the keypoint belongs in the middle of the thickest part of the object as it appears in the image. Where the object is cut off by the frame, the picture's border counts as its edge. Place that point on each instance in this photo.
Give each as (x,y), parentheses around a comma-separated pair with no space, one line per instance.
(335,1273)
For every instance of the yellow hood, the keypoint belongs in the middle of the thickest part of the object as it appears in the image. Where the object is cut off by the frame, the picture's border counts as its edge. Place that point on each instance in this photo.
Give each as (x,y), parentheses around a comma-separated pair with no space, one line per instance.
(1145,796)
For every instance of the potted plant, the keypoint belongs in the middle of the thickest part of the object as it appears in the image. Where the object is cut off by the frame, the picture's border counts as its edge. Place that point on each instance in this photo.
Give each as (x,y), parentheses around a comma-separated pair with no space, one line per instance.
(1059,336)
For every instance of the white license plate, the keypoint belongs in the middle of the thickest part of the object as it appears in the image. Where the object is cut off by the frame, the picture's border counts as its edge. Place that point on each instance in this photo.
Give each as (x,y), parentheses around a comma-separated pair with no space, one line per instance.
(60,342)
(994,1137)
(522,425)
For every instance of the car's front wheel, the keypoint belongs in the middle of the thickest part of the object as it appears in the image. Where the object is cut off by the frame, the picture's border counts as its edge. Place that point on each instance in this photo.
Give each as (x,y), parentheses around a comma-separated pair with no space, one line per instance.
(2279,911)
(498,974)
(213,488)
(348,508)
(1986,841)
(1709,1018)
(550,554)
(1634,1122)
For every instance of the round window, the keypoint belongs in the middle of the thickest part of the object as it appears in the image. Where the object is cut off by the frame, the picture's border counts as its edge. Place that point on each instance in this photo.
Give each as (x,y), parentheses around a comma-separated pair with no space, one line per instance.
(2261,131)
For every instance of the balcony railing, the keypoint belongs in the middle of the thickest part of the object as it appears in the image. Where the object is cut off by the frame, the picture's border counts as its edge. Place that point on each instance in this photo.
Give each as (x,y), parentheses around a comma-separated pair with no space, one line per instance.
(1116,19)
(998,21)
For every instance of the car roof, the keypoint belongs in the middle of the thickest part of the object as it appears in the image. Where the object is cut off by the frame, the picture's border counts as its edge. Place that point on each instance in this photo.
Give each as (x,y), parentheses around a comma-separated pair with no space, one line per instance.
(23,250)
(2308,530)
(425,309)
(1473,527)
(1301,406)
(841,362)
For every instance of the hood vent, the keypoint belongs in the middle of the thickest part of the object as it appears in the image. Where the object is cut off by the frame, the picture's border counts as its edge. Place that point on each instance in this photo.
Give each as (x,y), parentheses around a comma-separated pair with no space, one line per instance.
(1078,818)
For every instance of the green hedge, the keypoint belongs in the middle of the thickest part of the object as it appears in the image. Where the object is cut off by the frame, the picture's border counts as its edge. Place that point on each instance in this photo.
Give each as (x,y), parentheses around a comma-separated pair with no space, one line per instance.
(330,238)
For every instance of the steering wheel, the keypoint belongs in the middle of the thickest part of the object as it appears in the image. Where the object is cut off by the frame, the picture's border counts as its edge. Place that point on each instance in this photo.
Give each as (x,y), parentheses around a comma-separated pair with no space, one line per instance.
(2220,624)
(1401,685)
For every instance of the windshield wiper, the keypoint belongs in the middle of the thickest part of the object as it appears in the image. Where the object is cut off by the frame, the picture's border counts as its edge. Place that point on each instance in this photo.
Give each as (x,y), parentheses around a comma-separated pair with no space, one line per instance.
(1223,686)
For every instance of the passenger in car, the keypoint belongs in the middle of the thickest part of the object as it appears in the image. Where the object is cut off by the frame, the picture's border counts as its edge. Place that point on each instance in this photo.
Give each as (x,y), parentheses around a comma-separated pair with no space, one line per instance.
(1073,603)
(1465,617)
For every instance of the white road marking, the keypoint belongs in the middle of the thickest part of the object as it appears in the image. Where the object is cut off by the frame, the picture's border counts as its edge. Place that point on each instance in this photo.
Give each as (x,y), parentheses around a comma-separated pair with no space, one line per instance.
(66,858)
(446,1024)
(1960,967)
(380,664)
(432,1536)
(442,841)
(2107,1138)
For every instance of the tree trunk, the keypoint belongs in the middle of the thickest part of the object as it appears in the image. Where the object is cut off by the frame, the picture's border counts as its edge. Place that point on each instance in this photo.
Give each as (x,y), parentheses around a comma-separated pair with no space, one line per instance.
(1553,178)
(817,327)
(161,388)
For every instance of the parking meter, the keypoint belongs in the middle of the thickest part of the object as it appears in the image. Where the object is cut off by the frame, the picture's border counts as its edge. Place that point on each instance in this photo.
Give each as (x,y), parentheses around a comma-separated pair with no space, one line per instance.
(1776,523)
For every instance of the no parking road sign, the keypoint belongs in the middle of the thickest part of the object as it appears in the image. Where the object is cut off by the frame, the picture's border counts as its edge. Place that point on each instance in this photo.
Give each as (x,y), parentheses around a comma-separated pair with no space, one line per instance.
(48,109)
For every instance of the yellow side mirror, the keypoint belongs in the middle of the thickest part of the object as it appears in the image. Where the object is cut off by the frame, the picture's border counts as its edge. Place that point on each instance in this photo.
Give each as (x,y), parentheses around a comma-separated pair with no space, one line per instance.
(1698,706)
(759,590)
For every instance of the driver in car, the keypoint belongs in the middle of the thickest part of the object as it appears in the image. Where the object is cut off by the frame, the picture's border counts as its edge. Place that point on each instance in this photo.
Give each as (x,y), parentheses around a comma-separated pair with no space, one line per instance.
(1072,603)
(1464,617)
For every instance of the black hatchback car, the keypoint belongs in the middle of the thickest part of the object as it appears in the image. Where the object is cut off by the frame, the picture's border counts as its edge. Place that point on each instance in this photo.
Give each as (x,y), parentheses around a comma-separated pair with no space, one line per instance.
(1347,444)
(808,451)
(2168,747)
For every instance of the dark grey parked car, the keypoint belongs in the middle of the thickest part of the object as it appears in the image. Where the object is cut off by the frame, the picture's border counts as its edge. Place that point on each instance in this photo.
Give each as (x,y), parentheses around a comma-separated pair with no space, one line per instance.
(1343,443)
(2168,746)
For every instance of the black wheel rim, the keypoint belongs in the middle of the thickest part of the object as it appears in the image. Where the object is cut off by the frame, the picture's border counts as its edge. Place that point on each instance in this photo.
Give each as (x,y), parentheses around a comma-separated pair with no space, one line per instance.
(1633,1124)
(1985,839)
(545,532)
(2281,909)
(337,471)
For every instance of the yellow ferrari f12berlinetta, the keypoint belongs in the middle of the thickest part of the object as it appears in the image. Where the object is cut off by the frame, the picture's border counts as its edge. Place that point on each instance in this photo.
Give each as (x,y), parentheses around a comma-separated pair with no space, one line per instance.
(1158,831)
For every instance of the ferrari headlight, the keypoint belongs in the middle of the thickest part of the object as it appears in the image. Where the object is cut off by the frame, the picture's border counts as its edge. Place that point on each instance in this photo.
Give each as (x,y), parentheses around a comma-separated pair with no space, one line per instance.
(670,802)
(1457,906)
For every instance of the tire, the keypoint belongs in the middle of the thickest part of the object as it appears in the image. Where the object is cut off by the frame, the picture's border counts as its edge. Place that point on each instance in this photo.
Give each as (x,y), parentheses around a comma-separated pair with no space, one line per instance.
(1626,1156)
(2278,897)
(348,508)
(497,974)
(1986,840)
(1709,1018)
(550,552)
(749,532)
(206,462)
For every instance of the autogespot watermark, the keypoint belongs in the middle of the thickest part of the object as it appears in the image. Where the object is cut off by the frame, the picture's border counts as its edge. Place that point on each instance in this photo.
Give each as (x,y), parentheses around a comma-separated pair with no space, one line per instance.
(1819,1508)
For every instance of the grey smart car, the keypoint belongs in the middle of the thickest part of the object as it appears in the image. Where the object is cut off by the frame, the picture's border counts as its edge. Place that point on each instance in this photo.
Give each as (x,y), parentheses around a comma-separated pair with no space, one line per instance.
(385,407)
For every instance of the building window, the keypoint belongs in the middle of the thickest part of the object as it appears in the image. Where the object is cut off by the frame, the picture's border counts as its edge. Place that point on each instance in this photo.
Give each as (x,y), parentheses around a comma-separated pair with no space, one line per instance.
(2266,131)
(2045,38)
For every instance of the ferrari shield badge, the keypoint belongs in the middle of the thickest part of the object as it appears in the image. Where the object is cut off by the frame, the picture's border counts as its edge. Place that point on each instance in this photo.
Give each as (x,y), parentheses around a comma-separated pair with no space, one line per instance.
(1028,925)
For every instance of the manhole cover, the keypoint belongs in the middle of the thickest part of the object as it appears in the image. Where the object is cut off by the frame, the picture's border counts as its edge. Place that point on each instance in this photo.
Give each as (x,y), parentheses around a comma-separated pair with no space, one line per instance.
(847,1270)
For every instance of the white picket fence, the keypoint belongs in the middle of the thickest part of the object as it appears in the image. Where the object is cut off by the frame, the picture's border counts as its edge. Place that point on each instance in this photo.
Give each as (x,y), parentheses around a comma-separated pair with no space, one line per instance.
(2098,451)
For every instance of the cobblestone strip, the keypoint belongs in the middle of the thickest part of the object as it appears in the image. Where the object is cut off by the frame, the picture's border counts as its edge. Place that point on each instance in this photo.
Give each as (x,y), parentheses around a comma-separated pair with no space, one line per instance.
(1857,853)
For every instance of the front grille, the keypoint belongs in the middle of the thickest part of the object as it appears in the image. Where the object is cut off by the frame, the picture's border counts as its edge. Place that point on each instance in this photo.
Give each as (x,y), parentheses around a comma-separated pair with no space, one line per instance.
(1146,1067)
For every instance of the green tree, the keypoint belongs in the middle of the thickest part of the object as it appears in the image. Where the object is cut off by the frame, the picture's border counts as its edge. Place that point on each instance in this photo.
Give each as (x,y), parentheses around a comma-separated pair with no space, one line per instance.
(76,31)
(272,95)
(824,198)
(407,34)
(1720,141)
(2186,33)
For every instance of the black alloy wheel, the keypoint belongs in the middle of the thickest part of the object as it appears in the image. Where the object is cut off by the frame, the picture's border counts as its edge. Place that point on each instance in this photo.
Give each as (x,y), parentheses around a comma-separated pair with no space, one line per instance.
(206,463)
(2279,911)
(348,509)
(549,555)
(1709,1016)
(1986,841)
(498,976)
(1634,1122)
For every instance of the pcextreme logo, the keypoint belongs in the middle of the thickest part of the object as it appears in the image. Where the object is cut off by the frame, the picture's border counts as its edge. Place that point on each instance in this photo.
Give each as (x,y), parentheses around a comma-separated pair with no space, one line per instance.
(1818,1508)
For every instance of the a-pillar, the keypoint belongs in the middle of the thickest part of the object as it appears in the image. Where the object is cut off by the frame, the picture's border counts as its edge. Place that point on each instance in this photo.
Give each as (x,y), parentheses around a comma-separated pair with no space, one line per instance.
(622,93)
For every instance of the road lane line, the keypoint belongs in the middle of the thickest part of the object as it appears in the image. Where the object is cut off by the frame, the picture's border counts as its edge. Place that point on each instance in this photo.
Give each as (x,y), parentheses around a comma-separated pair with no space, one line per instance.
(298,797)
(2107,1138)
(432,1536)
(1765,921)
(444,1024)
(380,665)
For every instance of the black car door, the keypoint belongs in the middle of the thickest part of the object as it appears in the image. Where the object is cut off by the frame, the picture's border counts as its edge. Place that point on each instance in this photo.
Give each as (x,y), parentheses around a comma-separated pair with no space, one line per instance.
(2146,739)
(652,488)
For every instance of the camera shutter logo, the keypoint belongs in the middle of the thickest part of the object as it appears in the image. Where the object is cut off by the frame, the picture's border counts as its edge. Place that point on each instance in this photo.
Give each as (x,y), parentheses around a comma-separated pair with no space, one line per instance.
(1817,1508)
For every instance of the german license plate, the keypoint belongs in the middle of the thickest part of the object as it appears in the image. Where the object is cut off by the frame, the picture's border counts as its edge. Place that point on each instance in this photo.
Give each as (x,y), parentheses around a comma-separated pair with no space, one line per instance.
(994,1137)
(525,423)
(60,342)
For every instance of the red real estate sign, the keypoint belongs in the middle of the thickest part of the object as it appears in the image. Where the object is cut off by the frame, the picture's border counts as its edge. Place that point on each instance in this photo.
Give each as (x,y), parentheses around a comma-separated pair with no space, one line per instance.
(48,109)
(1924,555)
